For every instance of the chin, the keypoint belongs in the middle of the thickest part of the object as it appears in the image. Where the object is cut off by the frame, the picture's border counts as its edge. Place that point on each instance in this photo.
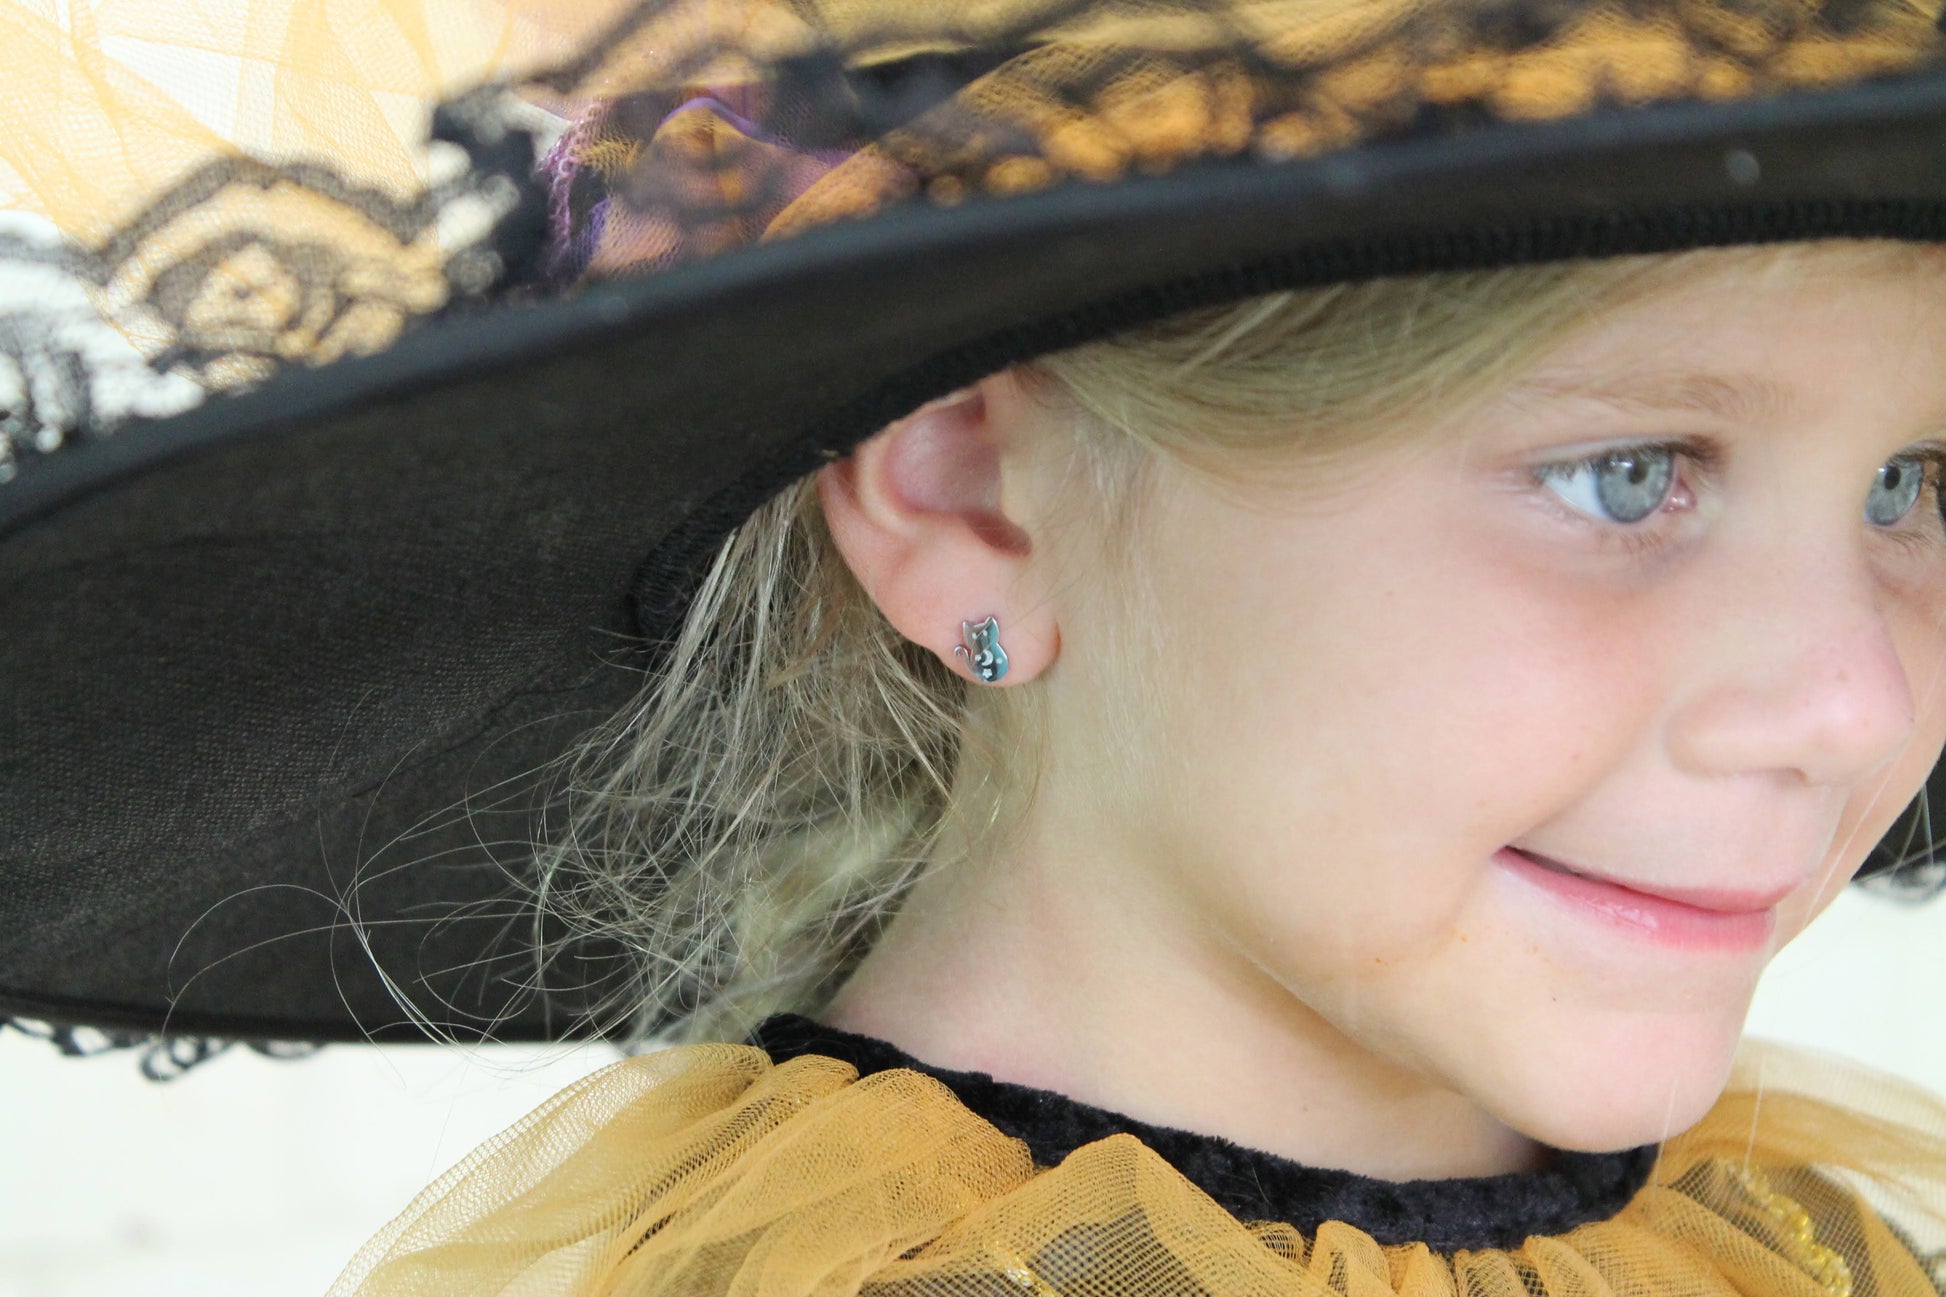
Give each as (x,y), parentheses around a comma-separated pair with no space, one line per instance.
(1597,1092)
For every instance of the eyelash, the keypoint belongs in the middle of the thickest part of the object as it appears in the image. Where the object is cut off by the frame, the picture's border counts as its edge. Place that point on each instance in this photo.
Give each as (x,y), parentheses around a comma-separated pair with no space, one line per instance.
(1639,538)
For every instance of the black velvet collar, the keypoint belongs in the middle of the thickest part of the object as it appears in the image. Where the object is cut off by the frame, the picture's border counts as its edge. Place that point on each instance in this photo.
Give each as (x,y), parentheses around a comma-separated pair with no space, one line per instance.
(1494,1211)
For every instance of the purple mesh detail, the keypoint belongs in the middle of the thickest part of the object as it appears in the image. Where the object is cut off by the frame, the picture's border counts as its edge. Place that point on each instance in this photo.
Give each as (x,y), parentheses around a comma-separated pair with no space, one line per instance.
(660,180)
(568,252)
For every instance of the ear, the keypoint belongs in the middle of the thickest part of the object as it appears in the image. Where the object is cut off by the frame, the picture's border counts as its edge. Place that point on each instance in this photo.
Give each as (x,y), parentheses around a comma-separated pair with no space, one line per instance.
(922,515)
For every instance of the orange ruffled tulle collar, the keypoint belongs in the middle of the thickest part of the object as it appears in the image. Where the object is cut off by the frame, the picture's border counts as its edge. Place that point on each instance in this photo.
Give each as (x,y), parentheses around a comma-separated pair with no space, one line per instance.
(712,1169)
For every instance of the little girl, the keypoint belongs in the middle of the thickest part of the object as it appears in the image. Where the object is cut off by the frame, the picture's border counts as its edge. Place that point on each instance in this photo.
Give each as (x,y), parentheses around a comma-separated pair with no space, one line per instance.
(1293,794)
(1401,722)
(1384,727)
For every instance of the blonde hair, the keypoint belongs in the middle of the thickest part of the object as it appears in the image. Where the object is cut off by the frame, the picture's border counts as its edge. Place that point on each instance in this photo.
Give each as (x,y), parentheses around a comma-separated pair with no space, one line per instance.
(747,826)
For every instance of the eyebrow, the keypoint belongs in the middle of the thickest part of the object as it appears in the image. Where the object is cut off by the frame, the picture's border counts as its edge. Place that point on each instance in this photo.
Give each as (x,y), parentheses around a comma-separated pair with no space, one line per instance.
(1735,398)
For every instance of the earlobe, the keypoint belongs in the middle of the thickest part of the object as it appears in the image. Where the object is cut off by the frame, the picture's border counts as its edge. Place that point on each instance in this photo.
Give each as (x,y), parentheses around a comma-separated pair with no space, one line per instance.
(917,513)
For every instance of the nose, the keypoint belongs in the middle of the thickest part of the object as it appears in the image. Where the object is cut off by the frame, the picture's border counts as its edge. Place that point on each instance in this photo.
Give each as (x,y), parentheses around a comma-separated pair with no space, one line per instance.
(1797,670)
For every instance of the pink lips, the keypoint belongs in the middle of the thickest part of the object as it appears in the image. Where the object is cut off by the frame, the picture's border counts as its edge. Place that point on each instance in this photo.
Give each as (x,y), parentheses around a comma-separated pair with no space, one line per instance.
(1689,919)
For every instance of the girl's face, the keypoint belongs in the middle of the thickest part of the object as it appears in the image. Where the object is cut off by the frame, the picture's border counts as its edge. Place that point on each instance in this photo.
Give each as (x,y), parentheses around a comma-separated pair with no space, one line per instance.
(1670,614)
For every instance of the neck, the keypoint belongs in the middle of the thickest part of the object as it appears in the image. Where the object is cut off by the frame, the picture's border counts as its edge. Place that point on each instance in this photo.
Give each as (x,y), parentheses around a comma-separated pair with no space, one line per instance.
(1033,975)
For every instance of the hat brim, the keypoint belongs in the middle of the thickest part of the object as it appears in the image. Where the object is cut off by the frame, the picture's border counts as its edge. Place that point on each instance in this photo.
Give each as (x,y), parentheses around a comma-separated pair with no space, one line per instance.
(330,628)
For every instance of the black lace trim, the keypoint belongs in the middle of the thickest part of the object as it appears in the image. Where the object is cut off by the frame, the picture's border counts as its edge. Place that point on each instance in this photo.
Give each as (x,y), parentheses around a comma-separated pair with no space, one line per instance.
(1496,1211)
(164,1058)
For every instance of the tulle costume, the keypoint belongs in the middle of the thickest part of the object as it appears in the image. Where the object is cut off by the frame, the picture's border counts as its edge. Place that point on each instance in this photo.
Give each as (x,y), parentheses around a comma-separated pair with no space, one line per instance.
(778,144)
(711,1169)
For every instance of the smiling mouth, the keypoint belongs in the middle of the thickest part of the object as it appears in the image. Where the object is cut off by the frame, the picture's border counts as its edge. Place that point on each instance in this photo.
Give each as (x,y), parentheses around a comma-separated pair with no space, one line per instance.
(1702,922)
(1713,900)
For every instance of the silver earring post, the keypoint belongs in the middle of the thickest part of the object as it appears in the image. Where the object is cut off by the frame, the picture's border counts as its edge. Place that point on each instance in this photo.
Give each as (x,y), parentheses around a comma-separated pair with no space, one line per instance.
(981,647)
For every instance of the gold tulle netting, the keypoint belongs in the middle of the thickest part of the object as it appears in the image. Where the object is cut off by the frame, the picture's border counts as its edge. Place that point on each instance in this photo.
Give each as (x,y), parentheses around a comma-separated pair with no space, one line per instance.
(706,1169)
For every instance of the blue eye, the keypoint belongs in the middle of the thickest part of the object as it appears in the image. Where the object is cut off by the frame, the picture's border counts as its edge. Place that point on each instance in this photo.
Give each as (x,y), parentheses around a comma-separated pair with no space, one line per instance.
(1620,486)
(1895,491)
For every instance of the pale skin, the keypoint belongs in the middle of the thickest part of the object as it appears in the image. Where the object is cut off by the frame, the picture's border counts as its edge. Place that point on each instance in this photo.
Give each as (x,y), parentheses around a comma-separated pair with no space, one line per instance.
(1292,931)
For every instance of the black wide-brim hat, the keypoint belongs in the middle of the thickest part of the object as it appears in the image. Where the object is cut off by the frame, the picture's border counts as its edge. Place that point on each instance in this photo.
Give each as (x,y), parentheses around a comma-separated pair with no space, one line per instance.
(278,667)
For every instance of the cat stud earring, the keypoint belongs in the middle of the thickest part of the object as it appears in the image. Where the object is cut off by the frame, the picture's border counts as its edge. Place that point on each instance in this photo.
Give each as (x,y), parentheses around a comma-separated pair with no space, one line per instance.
(982,648)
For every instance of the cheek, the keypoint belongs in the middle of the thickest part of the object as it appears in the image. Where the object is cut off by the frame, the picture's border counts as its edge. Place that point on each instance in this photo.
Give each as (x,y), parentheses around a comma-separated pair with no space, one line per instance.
(1373,728)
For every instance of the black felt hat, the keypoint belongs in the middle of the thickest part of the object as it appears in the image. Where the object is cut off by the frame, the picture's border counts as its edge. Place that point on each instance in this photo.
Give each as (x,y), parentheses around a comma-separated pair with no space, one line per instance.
(377,522)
